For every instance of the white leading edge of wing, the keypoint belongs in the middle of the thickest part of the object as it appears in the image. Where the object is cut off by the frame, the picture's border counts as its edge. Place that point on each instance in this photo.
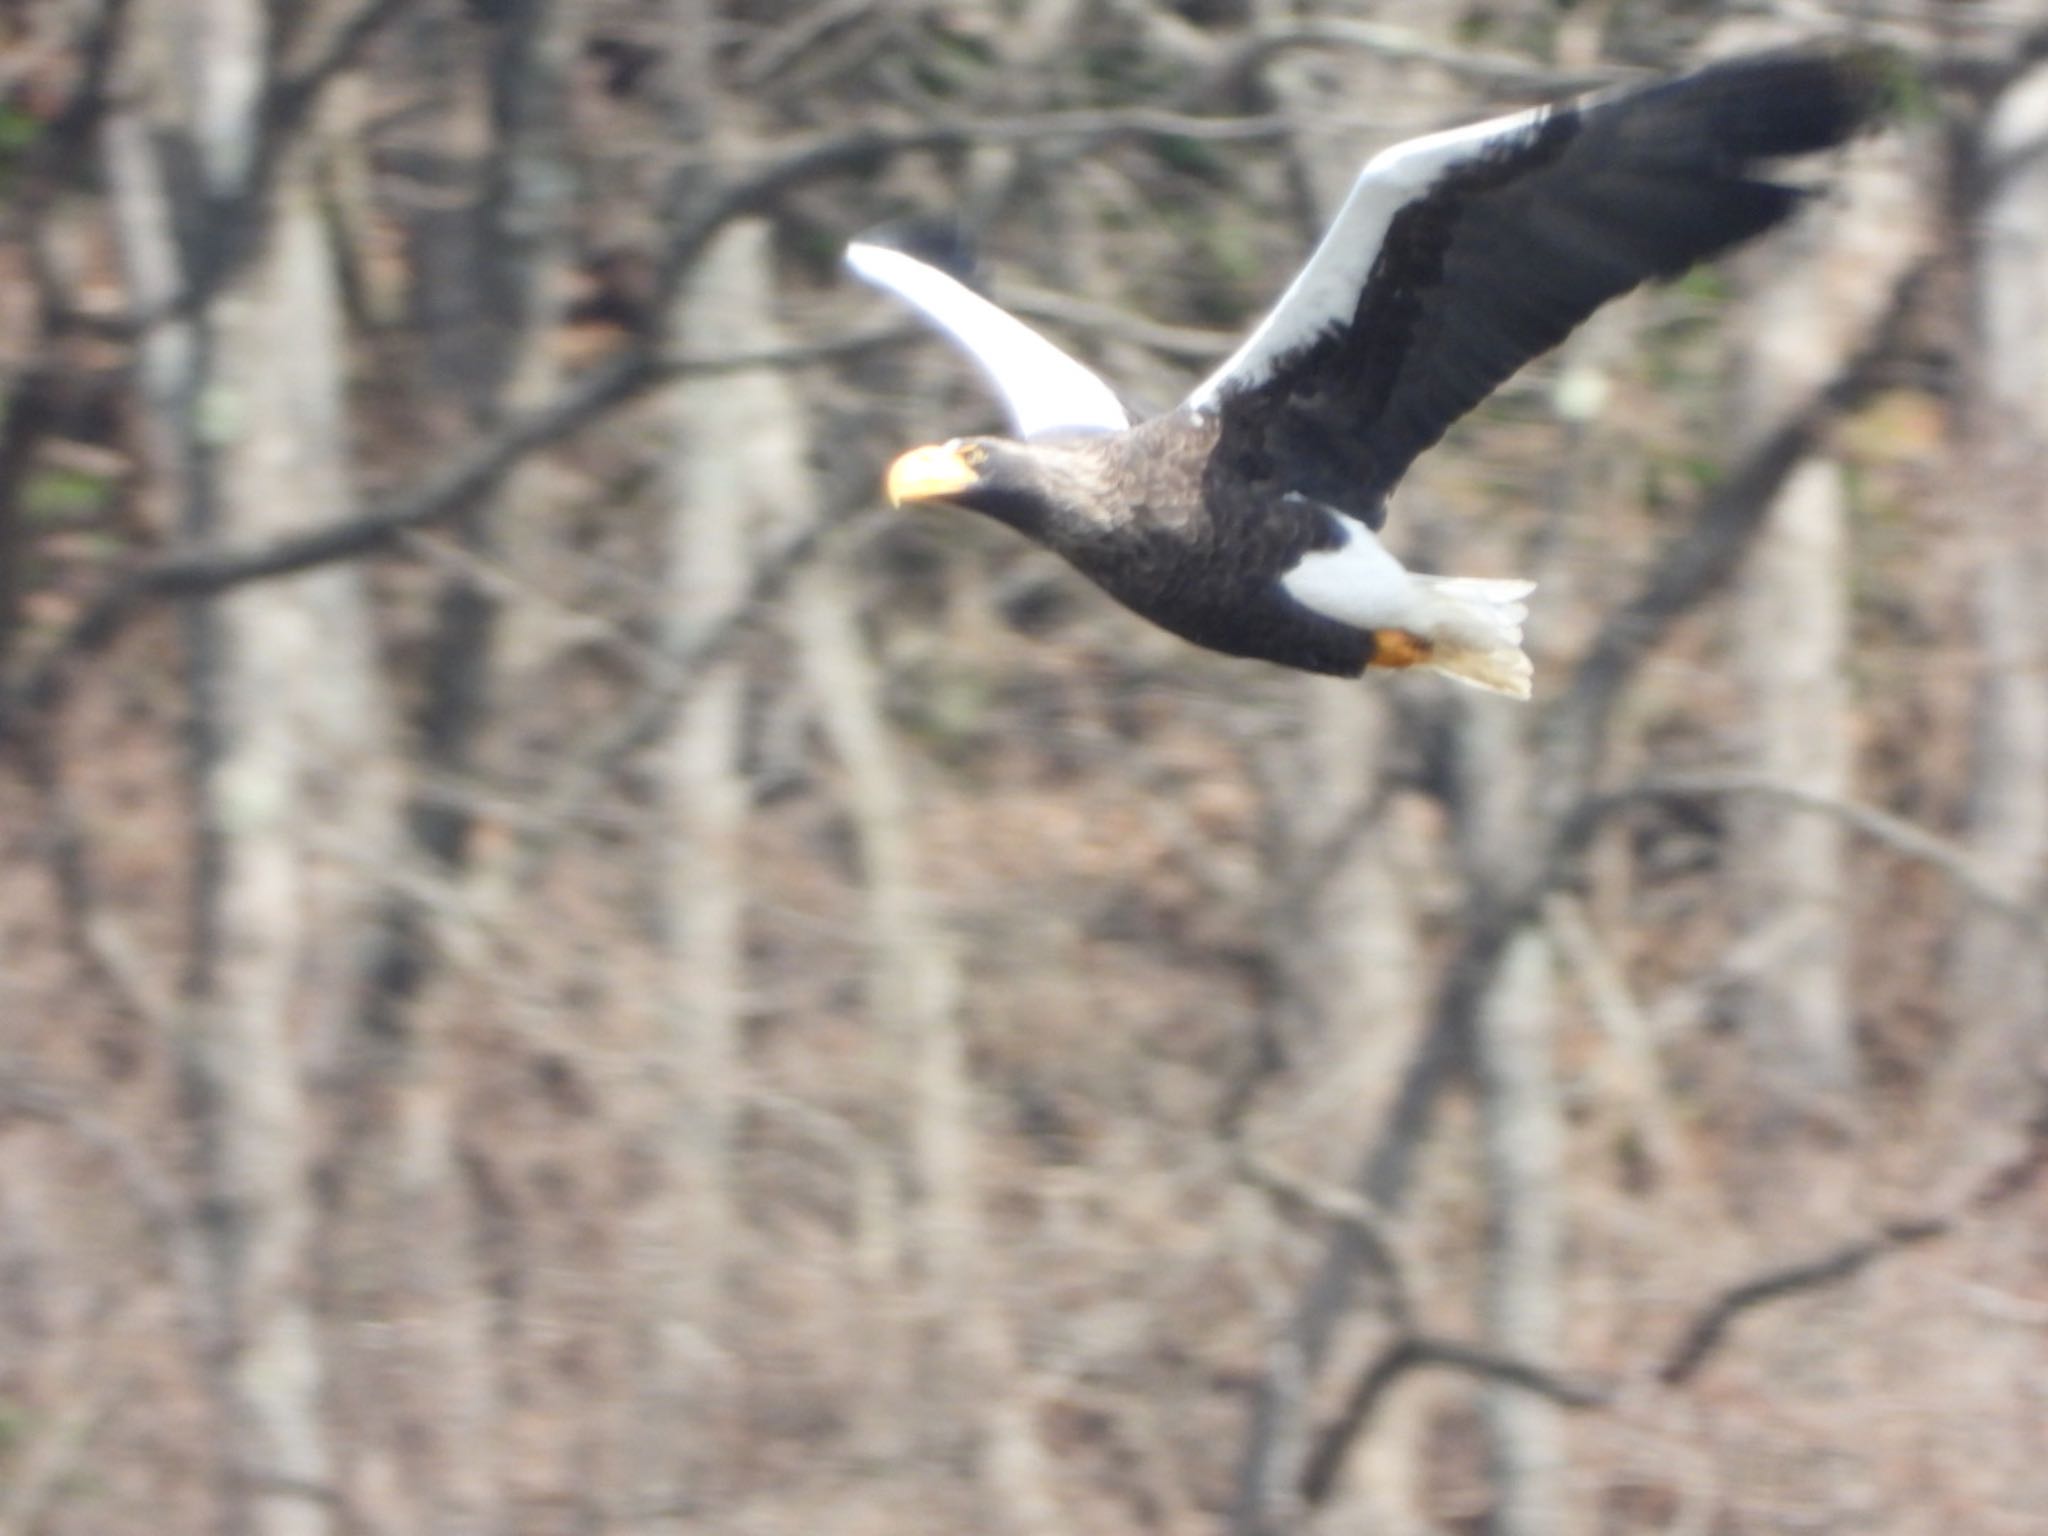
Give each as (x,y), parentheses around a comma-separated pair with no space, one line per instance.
(1044,389)
(1325,291)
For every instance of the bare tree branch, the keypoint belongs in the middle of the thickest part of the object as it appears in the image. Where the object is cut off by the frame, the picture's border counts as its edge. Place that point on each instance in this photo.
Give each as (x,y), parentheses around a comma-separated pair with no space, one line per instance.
(697,218)
(1348,1209)
(26,1090)
(1402,46)
(33,185)
(803,159)
(294,96)
(1573,732)
(1706,1332)
(631,373)
(1189,342)
(105,947)
(1709,1327)
(1894,832)
(1279,1417)
(799,354)
(203,573)
(1571,743)
(1491,1365)
(1412,1352)
(56,151)
(561,804)
(793,39)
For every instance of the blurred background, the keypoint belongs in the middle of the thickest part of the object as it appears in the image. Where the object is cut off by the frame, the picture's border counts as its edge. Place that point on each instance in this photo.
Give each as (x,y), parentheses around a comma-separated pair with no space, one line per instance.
(562,971)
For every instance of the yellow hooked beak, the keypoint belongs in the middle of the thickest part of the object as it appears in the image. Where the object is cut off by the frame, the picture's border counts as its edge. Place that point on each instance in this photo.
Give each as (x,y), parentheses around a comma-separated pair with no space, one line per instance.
(930,474)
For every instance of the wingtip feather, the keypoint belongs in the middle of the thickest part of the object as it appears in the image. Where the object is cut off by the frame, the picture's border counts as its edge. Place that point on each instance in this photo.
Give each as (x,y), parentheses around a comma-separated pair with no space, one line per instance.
(1778,104)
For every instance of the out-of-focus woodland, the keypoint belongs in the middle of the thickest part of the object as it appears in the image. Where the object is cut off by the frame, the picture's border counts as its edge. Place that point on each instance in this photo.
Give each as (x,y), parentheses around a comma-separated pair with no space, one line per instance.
(563,971)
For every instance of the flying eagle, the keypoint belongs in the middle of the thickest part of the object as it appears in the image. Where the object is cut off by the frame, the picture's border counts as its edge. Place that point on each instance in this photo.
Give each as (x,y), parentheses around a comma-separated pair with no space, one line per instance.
(1247,519)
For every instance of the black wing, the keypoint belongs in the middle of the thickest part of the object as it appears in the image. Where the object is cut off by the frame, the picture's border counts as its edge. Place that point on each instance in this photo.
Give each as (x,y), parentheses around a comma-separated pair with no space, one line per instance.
(1459,257)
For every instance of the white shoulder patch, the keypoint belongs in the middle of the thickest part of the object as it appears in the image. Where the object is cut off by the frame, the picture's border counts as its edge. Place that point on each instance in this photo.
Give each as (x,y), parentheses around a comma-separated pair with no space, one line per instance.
(1358,583)
(1325,291)
(1043,388)
(1471,624)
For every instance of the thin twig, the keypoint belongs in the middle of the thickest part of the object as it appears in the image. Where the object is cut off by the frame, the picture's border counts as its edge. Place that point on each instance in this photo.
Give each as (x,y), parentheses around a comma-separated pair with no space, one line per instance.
(55,154)
(1506,1370)
(1697,1342)
(631,373)
(1710,1325)
(1347,1208)
(1571,739)
(25,1090)
(189,574)
(696,218)
(800,354)
(1415,1351)
(1707,1330)
(105,947)
(296,95)
(1400,45)
(791,41)
(1693,566)
(1894,832)
(562,803)
(1193,343)
(791,160)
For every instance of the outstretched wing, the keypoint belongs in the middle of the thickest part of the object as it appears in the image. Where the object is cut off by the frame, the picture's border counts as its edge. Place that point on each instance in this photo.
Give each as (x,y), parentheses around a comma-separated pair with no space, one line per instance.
(1044,390)
(1458,257)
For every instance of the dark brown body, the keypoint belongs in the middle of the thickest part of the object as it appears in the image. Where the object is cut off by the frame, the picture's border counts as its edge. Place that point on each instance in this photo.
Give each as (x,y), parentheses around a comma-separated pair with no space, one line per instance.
(1456,259)
(1205,565)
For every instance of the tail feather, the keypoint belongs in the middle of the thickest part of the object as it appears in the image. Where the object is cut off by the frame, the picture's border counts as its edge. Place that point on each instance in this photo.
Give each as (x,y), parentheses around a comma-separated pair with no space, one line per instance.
(1475,632)
(1466,627)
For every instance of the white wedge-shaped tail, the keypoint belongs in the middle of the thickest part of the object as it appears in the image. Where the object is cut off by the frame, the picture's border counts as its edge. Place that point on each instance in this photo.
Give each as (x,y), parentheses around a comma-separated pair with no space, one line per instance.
(1466,627)
(1474,631)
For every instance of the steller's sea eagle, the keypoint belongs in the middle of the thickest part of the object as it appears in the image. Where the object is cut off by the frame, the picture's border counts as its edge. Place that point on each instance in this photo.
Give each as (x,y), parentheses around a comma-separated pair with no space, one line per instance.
(1246,519)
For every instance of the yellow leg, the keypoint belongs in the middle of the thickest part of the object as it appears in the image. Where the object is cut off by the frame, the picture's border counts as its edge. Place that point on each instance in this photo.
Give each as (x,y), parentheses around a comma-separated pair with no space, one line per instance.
(1399,648)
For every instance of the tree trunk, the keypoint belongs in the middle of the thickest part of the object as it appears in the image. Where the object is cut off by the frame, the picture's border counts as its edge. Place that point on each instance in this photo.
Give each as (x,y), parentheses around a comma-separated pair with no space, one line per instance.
(1348,979)
(252,398)
(1348,956)
(1792,628)
(913,996)
(737,450)
(1521,1123)
(1522,1146)
(1830,276)
(485,263)
(1998,981)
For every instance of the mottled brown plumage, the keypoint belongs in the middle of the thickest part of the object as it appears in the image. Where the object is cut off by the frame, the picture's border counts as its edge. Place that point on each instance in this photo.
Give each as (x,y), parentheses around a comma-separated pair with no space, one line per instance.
(1146,515)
